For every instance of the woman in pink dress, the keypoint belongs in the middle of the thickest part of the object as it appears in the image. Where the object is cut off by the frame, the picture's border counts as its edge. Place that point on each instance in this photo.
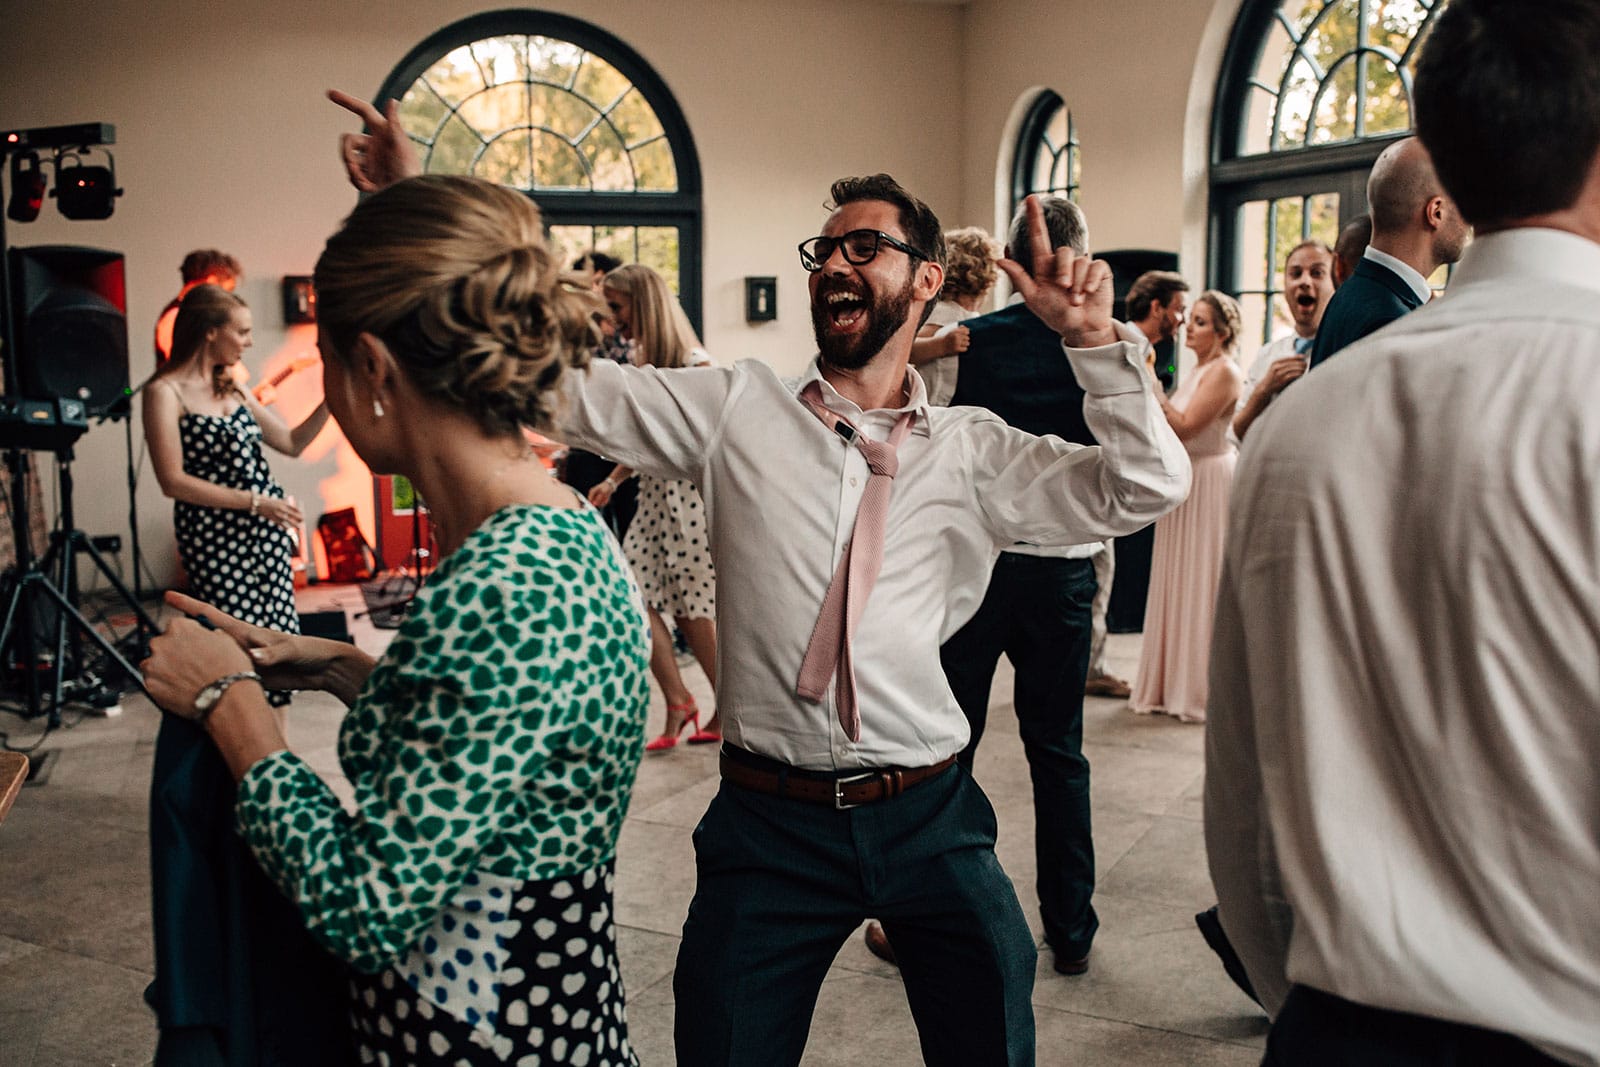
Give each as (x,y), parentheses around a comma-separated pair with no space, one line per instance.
(1187,559)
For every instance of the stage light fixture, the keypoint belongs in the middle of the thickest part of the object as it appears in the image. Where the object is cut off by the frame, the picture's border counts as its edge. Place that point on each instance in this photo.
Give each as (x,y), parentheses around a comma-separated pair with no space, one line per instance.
(84,191)
(27,188)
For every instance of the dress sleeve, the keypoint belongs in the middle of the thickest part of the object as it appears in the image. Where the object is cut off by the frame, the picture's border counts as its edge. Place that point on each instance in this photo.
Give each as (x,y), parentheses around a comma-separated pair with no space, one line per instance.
(440,779)
(1050,492)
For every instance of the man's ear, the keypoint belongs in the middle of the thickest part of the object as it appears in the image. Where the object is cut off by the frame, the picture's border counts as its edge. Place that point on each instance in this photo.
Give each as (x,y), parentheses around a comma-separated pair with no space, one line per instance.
(930,279)
(1433,212)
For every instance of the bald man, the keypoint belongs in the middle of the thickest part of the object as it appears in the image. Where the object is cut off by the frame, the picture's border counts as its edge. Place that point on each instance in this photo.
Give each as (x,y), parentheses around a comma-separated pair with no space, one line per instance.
(1415,230)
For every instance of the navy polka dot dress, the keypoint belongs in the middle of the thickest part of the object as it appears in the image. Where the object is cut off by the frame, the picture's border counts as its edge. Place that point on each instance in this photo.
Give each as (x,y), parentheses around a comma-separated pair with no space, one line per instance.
(237,562)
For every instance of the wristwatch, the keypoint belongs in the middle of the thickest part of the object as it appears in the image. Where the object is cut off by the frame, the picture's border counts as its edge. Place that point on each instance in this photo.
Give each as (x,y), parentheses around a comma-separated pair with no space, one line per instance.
(205,702)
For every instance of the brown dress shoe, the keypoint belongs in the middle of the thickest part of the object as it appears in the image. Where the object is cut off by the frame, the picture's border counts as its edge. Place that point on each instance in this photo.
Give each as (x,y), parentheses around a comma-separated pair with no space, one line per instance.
(1105,685)
(878,943)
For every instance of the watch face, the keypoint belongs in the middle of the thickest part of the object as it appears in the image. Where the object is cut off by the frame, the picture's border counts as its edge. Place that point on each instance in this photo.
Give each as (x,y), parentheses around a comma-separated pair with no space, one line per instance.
(208,696)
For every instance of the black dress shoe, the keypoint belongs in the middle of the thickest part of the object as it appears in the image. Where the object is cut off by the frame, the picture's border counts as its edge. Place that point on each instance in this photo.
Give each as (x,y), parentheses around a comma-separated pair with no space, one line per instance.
(1210,924)
(1071,968)
(878,943)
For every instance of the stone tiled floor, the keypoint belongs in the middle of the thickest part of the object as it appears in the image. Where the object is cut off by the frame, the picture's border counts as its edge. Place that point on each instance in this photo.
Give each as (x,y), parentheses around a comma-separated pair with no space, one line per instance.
(75,948)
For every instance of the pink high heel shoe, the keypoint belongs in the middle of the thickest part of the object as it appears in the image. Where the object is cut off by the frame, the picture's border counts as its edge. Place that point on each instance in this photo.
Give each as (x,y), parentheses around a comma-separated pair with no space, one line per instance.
(691,718)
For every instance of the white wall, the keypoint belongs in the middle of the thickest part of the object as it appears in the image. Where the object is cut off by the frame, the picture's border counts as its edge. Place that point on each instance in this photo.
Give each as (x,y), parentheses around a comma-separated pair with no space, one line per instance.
(224,141)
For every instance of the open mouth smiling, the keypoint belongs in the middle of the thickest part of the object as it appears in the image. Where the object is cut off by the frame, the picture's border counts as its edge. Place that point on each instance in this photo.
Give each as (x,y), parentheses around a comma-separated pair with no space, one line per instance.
(845,310)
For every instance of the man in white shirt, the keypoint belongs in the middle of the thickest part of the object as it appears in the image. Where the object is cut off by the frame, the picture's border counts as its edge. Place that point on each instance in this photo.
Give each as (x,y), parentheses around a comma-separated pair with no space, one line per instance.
(1416,229)
(1402,810)
(1307,288)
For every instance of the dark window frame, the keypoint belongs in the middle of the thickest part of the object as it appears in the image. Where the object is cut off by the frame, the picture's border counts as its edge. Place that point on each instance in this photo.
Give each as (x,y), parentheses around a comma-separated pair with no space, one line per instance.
(1033,141)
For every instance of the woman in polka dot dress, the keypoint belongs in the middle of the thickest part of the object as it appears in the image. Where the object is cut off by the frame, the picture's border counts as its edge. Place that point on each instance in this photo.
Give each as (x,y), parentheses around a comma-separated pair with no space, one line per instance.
(232,518)
(492,751)
(667,544)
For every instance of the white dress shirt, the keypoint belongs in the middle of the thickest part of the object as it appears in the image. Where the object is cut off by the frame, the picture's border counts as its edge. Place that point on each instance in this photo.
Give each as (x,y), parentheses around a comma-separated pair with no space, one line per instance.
(1402,803)
(781,492)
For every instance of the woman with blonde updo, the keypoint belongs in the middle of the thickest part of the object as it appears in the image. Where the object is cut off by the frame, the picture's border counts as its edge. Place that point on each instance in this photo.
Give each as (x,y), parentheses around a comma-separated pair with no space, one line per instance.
(667,542)
(972,266)
(492,750)
(1186,562)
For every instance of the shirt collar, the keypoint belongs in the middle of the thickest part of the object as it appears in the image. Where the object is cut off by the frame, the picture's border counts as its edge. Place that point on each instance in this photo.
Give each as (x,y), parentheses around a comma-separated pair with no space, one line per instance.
(917,401)
(1530,252)
(1407,272)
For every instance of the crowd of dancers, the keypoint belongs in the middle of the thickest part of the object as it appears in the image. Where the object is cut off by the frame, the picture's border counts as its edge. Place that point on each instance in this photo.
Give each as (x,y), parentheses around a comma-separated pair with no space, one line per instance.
(1372,580)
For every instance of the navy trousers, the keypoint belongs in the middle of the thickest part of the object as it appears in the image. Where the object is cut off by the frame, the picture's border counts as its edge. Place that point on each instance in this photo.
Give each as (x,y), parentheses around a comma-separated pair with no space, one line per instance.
(1317,1029)
(1038,611)
(783,883)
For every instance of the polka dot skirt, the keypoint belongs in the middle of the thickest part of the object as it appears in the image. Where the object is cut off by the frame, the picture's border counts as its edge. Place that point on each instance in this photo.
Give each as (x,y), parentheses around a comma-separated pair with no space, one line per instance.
(237,562)
(668,548)
(546,991)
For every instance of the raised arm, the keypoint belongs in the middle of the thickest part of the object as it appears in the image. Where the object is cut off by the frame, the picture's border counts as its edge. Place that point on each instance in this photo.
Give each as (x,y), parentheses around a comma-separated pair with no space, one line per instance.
(662,422)
(290,440)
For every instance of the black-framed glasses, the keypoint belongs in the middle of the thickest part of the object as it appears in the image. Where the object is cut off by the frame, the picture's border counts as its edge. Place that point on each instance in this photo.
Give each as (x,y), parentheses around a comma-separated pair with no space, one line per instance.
(858,246)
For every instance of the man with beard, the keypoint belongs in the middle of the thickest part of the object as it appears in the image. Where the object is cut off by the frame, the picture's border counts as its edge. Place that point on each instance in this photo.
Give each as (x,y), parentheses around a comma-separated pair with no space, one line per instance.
(1416,229)
(840,796)
(1307,287)
(1037,607)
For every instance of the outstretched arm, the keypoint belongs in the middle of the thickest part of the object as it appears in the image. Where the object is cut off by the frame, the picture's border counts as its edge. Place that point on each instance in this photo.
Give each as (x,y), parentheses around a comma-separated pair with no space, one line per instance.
(384,154)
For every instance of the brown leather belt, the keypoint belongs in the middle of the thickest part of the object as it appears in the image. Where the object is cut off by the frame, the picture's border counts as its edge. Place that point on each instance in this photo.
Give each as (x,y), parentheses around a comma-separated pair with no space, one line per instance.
(850,791)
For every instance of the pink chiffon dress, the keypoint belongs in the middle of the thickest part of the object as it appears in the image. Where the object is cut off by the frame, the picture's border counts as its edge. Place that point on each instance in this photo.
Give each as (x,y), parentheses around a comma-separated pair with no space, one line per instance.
(1185,566)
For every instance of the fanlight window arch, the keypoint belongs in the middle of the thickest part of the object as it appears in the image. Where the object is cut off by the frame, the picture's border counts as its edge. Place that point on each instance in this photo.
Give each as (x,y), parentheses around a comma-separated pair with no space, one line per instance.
(569,114)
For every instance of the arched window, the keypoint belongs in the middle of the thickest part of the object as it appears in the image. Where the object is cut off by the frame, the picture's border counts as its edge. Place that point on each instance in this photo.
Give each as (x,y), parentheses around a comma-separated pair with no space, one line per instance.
(1311,92)
(1046,159)
(564,111)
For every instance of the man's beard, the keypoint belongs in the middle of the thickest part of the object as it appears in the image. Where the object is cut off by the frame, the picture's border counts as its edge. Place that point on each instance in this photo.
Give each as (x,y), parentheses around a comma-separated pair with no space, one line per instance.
(848,352)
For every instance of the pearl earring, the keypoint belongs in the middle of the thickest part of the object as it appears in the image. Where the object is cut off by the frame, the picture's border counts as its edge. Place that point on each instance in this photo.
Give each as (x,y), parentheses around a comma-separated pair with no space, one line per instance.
(377,408)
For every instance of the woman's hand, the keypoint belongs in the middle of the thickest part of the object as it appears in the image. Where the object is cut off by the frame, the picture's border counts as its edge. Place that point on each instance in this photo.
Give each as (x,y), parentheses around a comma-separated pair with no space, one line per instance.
(288,661)
(382,156)
(601,492)
(284,512)
(184,660)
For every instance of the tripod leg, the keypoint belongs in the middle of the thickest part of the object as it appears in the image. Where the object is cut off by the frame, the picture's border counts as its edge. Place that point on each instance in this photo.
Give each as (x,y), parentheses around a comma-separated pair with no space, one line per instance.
(88,630)
(146,623)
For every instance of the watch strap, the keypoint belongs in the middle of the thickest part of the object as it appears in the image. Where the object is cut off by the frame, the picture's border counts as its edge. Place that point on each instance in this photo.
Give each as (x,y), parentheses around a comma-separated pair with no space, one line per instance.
(206,701)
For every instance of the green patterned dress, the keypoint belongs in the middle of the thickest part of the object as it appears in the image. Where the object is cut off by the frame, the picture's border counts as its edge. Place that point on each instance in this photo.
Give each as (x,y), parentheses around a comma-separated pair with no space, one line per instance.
(492,753)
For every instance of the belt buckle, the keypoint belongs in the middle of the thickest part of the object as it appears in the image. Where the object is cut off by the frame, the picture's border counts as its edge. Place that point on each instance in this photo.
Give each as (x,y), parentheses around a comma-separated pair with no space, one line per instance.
(840,783)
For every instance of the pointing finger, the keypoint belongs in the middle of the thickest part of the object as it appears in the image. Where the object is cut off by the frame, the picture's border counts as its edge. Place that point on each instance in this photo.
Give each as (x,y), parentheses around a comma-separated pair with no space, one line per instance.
(365,111)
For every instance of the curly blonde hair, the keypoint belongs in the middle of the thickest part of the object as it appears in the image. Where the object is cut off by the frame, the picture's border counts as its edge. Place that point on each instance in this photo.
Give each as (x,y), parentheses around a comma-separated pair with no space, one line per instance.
(970,270)
(1229,321)
(660,328)
(454,275)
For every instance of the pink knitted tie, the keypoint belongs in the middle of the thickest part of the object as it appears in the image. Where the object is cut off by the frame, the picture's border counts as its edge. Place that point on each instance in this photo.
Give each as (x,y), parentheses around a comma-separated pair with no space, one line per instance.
(829,650)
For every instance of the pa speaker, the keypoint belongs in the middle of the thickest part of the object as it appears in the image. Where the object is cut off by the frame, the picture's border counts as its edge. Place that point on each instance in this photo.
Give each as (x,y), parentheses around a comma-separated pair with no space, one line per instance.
(70,309)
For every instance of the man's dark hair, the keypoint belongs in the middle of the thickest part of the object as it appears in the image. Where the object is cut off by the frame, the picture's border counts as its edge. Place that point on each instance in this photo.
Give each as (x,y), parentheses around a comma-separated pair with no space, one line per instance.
(1353,241)
(596,262)
(1508,104)
(1153,287)
(917,219)
(209,263)
(1063,220)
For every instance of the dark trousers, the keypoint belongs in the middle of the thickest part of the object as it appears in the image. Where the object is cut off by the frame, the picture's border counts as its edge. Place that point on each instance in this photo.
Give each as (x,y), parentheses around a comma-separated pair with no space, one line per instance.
(783,883)
(1038,612)
(1317,1029)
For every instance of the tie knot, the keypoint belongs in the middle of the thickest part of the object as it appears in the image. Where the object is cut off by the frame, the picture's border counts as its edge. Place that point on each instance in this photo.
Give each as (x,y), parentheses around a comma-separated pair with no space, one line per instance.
(880,455)
(1302,345)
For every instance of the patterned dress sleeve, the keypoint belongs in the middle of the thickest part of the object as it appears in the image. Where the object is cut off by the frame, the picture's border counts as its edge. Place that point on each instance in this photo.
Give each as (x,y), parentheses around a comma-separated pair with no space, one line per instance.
(446,743)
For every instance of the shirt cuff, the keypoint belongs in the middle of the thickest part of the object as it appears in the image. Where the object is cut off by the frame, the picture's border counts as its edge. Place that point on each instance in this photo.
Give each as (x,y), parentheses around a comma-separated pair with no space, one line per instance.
(1111,369)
